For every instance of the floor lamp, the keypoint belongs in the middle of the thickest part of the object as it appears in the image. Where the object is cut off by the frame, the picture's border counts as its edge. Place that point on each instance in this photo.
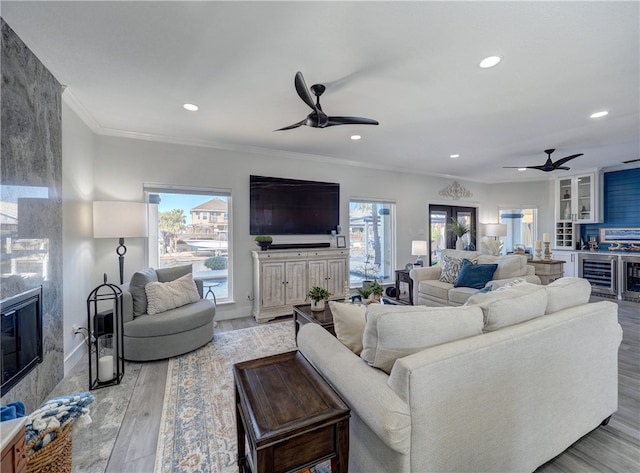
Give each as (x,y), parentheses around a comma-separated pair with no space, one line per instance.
(120,220)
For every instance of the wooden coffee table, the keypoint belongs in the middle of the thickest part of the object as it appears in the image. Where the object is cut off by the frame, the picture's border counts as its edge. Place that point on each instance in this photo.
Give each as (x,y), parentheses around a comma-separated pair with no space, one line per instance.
(289,417)
(302,315)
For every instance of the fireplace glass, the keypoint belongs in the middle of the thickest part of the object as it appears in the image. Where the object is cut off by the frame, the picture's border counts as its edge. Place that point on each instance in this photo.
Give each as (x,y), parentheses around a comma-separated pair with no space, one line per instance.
(21,342)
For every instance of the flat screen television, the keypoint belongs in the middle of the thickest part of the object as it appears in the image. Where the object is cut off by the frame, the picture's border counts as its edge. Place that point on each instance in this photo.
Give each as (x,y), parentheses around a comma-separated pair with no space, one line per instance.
(293,207)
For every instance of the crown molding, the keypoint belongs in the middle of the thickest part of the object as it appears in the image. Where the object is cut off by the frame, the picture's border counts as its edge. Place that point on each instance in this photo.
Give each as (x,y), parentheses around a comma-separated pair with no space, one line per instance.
(80,110)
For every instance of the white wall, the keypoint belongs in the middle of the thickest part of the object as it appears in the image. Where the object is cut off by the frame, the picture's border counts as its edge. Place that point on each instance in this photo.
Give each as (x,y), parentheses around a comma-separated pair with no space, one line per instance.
(78,258)
(123,165)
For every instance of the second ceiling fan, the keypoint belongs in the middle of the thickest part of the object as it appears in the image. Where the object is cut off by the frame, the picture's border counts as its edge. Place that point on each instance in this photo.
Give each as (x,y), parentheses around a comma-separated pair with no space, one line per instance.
(549,165)
(317,118)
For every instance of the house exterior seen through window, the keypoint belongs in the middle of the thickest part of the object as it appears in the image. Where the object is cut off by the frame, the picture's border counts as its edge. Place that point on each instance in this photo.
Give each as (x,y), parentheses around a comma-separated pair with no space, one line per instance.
(192,227)
(371,241)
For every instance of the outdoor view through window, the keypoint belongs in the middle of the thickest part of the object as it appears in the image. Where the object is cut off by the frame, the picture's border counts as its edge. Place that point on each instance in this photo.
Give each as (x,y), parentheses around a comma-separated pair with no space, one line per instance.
(193,228)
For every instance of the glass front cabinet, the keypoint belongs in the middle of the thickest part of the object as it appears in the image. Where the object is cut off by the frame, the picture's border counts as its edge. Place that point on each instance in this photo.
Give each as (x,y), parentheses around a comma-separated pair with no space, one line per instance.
(577,201)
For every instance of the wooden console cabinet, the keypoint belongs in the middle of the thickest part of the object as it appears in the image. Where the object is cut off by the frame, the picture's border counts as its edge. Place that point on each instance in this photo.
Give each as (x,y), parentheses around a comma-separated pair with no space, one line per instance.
(14,459)
(282,278)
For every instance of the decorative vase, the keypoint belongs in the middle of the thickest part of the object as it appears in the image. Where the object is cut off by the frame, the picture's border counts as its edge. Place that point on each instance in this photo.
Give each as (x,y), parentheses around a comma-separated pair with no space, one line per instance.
(264,245)
(317,306)
(459,244)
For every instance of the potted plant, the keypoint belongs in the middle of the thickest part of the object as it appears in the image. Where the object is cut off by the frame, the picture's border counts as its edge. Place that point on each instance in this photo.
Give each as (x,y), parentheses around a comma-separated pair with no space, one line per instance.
(318,295)
(263,241)
(372,292)
(459,229)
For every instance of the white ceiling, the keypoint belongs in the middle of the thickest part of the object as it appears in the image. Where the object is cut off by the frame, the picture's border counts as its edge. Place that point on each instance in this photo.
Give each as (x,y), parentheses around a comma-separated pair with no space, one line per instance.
(413,66)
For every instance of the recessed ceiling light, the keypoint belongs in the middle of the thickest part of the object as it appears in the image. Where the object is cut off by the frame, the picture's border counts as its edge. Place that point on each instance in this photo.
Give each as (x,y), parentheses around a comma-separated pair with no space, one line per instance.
(522,169)
(356,137)
(454,156)
(191,107)
(599,114)
(490,61)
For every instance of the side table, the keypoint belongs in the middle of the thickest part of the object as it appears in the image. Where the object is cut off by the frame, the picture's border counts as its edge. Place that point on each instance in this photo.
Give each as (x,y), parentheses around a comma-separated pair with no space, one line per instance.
(302,315)
(548,270)
(288,416)
(402,275)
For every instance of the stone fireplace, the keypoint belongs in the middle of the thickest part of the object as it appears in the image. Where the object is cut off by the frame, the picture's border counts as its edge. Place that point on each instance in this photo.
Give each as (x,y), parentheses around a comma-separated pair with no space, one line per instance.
(30,205)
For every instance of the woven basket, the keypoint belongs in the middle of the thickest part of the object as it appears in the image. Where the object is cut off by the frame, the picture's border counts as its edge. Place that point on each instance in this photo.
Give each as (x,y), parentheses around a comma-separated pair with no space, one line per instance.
(55,457)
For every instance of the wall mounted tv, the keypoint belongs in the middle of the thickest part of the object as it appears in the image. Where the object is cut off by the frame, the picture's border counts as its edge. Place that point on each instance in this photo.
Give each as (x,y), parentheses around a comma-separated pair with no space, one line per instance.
(293,207)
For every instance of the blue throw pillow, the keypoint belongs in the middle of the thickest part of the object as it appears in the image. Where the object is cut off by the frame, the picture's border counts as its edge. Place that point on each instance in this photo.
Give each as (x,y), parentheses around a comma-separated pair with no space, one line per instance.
(484,290)
(475,275)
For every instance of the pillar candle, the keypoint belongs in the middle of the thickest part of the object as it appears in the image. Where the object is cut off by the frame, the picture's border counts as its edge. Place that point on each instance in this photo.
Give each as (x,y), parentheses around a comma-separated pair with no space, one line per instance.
(538,245)
(105,368)
(546,237)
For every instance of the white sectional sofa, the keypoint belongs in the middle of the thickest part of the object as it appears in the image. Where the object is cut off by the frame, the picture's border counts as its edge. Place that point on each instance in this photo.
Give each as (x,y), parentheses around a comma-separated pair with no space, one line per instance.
(503,384)
(432,288)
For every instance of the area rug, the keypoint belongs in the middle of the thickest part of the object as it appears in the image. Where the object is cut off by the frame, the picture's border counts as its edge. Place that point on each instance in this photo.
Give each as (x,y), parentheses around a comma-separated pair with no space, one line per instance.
(198,426)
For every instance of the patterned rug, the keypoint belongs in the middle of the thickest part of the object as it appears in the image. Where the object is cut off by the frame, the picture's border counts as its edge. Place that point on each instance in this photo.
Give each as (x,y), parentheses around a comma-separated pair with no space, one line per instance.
(198,426)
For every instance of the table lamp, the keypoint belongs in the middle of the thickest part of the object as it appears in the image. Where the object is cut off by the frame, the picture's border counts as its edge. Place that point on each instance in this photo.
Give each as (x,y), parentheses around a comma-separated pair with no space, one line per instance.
(495,230)
(419,249)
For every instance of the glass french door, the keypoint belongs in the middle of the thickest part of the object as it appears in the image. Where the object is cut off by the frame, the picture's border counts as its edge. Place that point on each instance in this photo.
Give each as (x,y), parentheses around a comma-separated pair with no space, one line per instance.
(439,218)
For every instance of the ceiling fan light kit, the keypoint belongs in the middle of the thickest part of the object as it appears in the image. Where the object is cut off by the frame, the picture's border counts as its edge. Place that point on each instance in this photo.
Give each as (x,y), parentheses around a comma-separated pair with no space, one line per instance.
(549,165)
(317,118)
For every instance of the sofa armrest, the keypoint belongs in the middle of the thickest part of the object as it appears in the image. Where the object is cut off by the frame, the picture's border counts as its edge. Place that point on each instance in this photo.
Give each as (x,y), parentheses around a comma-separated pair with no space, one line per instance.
(362,387)
(421,274)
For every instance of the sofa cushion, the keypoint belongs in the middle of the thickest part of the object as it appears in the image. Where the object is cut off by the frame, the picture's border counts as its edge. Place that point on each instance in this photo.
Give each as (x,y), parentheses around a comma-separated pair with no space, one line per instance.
(509,266)
(450,269)
(182,319)
(475,275)
(567,292)
(348,322)
(435,288)
(139,281)
(510,306)
(174,272)
(392,332)
(163,296)
(459,295)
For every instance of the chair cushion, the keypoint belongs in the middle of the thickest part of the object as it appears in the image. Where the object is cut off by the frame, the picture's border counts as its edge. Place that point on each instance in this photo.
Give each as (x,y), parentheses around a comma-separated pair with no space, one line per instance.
(475,275)
(163,296)
(139,281)
(509,266)
(567,292)
(174,272)
(392,332)
(182,319)
(348,322)
(510,306)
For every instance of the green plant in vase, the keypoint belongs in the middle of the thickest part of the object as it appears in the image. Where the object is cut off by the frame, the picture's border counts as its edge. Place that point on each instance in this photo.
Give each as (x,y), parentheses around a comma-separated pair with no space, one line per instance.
(372,292)
(318,295)
(263,241)
(459,229)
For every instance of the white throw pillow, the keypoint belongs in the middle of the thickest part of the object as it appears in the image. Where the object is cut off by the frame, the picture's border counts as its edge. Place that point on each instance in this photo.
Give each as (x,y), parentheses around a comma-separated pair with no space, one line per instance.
(567,292)
(163,296)
(348,323)
(510,306)
(393,332)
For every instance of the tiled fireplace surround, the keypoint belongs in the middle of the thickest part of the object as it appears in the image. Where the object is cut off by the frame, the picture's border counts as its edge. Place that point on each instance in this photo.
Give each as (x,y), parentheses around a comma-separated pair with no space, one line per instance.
(31,167)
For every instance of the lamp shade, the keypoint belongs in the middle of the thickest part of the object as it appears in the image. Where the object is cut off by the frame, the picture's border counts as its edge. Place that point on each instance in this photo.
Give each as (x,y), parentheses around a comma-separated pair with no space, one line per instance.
(419,248)
(119,220)
(495,229)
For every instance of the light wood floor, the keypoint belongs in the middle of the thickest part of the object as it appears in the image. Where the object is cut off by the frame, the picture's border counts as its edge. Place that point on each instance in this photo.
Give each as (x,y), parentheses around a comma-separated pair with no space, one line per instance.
(614,448)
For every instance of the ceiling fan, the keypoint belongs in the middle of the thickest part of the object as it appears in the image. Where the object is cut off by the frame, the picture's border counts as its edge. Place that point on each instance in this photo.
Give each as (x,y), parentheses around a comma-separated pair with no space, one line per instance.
(549,165)
(317,118)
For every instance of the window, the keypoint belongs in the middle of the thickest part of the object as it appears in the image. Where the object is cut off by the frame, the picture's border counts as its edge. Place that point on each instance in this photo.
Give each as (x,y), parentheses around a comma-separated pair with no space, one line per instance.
(521,228)
(180,232)
(371,241)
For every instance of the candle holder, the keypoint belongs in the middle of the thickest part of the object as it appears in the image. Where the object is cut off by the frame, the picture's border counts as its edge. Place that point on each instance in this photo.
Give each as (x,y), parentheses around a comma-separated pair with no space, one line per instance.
(538,253)
(547,250)
(106,350)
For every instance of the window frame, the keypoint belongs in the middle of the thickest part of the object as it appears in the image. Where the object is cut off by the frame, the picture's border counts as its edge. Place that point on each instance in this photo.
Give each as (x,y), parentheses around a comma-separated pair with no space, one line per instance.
(152,253)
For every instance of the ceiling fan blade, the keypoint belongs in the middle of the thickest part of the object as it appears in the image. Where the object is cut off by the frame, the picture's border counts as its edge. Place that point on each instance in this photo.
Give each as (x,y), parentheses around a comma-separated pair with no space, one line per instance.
(303,91)
(560,162)
(564,168)
(350,121)
(295,125)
